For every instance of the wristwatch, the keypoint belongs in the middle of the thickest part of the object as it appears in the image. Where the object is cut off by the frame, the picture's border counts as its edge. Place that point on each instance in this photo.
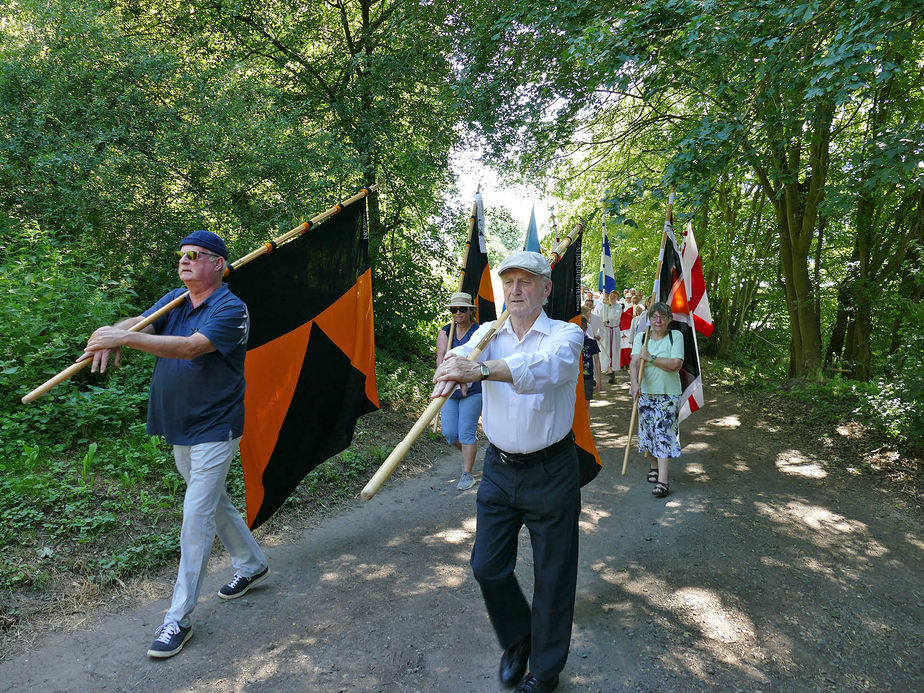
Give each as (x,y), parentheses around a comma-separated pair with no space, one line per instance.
(485,371)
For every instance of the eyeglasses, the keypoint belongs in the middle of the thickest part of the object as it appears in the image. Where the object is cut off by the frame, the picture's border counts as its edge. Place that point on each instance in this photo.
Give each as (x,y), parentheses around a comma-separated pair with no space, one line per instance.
(193,254)
(458,309)
(659,316)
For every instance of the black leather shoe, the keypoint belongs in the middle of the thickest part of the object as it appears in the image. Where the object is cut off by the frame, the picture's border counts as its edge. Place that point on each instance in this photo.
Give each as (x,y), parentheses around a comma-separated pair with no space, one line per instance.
(513,663)
(533,685)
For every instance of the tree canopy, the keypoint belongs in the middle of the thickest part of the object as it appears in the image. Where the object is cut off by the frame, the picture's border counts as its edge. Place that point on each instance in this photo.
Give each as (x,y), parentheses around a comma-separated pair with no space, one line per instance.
(791,133)
(813,107)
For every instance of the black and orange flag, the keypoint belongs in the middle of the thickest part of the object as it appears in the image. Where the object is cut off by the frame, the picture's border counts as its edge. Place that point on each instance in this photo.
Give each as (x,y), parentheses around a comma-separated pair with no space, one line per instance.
(310,365)
(565,304)
(476,275)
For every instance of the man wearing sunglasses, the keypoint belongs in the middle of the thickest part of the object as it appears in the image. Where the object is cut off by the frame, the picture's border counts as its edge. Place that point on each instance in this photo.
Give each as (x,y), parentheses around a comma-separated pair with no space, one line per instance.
(196,403)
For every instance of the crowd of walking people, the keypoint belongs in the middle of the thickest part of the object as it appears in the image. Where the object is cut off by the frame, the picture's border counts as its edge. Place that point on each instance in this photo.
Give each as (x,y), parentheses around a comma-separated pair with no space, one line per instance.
(523,386)
(613,327)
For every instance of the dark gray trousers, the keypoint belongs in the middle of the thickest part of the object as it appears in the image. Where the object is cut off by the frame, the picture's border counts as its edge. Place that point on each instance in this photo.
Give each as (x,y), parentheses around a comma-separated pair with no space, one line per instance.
(546,497)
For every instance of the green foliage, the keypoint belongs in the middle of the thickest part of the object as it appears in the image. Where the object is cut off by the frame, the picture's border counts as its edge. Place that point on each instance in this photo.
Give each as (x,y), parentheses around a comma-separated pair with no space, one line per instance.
(896,401)
(404,383)
(51,503)
(735,376)
(833,401)
(48,297)
(120,142)
(895,406)
(411,283)
(504,234)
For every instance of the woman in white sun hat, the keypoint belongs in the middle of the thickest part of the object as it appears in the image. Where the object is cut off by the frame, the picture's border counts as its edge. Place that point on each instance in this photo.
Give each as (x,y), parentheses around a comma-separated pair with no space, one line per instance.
(461,412)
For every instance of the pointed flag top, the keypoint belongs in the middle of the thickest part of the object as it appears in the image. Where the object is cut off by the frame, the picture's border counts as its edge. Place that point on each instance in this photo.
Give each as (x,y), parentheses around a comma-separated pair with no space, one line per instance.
(476,274)
(532,235)
(607,280)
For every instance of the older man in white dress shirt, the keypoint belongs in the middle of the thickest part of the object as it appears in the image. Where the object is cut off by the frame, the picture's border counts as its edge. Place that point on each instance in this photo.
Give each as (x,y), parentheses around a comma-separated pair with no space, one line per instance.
(530,373)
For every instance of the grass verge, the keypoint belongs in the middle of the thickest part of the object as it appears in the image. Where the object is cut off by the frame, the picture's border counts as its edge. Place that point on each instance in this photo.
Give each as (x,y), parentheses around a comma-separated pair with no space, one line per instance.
(97,523)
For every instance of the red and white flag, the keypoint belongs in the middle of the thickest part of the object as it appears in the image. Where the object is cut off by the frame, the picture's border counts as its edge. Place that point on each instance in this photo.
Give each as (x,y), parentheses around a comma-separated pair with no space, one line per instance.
(696,284)
(670,288)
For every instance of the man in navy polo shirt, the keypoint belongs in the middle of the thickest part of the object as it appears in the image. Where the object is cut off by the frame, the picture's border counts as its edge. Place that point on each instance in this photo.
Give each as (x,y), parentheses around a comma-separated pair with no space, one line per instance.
(196,403)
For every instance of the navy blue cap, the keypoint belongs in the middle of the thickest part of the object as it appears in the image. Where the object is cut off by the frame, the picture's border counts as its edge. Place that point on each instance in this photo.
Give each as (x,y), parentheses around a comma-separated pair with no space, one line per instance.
(206,239)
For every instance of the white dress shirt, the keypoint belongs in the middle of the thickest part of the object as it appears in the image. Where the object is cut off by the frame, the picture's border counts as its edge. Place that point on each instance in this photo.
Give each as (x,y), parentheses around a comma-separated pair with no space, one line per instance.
(537,409)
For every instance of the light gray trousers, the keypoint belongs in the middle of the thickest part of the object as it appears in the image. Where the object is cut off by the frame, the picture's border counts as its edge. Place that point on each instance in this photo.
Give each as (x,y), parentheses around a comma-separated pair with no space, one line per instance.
(207,510)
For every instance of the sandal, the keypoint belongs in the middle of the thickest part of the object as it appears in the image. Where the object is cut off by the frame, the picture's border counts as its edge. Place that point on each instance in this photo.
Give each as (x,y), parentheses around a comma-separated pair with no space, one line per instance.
(653,476)
(661,489)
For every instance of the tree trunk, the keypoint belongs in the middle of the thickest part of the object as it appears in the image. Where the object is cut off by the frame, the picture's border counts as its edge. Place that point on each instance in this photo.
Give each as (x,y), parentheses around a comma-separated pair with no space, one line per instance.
(861,288)
(375,218)
(835,351)
(724,341)
(796,205)
(732,273)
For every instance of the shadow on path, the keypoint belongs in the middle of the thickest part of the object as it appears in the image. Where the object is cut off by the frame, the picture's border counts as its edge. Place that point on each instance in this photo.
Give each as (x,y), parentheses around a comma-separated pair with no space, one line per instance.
(759,571)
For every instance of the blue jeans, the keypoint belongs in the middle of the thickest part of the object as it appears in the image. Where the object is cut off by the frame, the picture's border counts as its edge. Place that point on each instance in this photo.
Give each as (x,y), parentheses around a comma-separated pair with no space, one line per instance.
(207,510)
(460,419)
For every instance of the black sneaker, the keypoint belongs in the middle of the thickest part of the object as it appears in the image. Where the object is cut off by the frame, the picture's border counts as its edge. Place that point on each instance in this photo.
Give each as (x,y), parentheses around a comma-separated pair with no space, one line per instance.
(170,640)
(239,584)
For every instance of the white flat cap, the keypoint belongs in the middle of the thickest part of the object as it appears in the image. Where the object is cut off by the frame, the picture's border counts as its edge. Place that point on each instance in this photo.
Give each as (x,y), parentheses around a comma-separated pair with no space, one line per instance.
(528,261)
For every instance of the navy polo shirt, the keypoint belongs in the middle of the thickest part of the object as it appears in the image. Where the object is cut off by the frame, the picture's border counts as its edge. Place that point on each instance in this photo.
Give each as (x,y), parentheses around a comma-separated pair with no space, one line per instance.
(200,400)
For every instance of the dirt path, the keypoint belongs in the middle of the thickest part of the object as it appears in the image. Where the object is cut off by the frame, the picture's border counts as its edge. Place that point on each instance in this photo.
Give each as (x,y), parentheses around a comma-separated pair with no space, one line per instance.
(764,570)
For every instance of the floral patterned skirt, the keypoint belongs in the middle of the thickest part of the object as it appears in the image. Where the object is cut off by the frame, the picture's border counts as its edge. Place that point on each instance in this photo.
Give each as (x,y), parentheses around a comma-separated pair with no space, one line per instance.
(658,425)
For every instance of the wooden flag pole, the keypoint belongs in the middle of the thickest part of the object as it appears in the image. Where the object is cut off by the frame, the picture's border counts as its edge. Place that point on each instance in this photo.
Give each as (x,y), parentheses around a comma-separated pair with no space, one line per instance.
(473,223)
(641,370)
(262,250)
(401,450)
(554,225)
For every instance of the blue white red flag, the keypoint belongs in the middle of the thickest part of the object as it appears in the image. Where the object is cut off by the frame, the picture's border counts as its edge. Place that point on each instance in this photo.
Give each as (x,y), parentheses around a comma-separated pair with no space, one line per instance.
(607,280)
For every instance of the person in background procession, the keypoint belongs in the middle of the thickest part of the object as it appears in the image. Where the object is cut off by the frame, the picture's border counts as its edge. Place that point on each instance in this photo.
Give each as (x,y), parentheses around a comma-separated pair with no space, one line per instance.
(610,315)
(590,365)
(637,300)
(659,393)
(595,325)
(639,320)
(461,412)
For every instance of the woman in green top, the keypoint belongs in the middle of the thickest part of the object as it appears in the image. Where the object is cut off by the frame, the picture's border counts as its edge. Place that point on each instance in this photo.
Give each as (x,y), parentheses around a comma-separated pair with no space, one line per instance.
(659,401)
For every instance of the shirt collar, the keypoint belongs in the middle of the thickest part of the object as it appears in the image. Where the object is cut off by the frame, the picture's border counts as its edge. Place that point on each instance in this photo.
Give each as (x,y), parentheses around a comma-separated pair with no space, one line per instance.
(212,297)
(542,324)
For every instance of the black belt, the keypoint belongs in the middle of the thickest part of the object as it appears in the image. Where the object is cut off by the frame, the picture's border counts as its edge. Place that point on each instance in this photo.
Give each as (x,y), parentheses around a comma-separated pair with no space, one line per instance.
(525,459)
